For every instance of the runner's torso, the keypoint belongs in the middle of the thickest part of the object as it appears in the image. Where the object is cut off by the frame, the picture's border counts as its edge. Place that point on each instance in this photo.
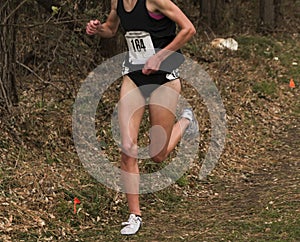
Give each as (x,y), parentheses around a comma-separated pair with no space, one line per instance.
(161,30)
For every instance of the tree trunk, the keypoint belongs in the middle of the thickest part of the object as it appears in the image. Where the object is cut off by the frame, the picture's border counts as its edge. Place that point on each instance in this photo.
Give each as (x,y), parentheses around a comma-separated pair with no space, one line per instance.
(267,13)
(214,12)
(205,8)
(8,90)
(278,12)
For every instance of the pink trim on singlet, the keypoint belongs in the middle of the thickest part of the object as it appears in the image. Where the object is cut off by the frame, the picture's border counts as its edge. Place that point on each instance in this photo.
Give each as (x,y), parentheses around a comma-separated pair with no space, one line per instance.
(156,16)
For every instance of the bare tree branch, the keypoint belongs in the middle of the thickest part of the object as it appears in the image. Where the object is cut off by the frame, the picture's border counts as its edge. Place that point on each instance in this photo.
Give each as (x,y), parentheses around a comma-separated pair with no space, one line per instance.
(13,11)
(39,78)
(7,101)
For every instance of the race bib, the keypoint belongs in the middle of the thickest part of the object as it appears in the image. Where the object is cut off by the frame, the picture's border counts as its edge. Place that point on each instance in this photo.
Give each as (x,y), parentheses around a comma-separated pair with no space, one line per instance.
(140,47)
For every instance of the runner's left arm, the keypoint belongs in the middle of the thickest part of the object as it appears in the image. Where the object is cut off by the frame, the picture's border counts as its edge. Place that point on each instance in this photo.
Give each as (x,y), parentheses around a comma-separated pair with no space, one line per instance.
(186,32)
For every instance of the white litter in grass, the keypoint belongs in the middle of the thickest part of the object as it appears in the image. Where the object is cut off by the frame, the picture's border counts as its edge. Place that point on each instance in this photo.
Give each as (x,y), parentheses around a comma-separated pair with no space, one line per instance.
(228,43)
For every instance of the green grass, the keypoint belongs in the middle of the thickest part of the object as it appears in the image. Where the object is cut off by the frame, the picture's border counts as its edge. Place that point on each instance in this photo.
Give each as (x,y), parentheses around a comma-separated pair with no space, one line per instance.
(182,181)
(257,46)
(286,50)
(265,88)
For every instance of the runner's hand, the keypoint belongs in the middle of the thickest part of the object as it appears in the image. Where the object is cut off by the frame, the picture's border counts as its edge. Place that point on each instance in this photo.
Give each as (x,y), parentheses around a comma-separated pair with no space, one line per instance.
(93,27)
(152,65)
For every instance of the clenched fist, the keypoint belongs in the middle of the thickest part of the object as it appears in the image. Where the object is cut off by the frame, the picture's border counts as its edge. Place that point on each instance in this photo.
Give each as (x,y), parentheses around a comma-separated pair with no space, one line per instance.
(93,27)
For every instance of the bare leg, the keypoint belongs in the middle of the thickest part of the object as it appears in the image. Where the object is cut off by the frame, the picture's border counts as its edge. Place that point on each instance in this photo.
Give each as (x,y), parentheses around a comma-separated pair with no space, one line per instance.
(131,110)
(164,134)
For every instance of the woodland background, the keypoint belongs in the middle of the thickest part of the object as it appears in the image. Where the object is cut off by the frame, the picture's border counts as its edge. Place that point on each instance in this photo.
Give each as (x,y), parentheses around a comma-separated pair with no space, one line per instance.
(252,195)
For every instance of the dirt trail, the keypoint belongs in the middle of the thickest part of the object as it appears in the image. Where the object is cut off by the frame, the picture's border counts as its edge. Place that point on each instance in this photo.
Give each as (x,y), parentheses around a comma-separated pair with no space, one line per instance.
(259,206)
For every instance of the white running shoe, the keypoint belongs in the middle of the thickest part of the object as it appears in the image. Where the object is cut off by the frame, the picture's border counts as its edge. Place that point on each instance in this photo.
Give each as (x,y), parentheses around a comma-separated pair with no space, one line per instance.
(132,226)
(192,130)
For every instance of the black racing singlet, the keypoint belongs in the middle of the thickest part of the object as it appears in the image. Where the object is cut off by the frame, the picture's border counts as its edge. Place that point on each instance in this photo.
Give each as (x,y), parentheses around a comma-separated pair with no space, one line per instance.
(162,31)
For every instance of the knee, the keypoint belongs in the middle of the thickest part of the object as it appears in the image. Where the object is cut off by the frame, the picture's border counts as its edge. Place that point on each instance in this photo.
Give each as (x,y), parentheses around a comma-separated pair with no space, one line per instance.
(129,149)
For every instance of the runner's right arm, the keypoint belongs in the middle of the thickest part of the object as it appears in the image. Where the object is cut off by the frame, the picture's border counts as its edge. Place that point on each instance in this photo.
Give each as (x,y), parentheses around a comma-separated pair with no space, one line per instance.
(107,29)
